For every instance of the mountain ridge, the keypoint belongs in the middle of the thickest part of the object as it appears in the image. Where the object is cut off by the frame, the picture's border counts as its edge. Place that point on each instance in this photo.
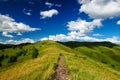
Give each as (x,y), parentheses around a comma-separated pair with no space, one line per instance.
(82,62)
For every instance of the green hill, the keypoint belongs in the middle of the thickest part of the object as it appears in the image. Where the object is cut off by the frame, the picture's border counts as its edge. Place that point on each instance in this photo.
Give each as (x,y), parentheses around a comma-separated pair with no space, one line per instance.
(38,61)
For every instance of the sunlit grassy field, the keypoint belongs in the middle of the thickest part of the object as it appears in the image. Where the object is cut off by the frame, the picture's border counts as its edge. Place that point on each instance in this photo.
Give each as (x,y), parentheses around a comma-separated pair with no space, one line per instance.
(82,62)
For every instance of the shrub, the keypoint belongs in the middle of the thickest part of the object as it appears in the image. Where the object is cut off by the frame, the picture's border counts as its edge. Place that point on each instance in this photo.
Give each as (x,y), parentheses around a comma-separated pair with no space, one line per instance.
(35,53)
(113,66)
(2,57)
(0,64)
(6,56)
(104,62)
(12,59)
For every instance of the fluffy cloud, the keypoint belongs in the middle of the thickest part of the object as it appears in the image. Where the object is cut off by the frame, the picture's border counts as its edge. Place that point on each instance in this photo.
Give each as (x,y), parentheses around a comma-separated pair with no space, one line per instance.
(59,37)
(62,37)
(114,39)
(49,13)
(118,22)
(78,31)
(82,26)
(8,25)
(26,40)
(7,35)
(100,8)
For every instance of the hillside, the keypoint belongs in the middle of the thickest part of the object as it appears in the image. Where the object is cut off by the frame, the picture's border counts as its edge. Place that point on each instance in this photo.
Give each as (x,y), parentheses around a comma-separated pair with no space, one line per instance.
(46,59)
(105,52)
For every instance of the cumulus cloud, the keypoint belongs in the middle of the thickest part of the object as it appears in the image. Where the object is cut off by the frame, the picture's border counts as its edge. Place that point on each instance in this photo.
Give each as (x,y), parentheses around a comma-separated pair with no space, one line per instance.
(48,14)
(62,37)
(7,35)
(78,31)
(100,8)
(8,25)
(114,39)
(118,22)
(26,40)
(82,26)
(59,37)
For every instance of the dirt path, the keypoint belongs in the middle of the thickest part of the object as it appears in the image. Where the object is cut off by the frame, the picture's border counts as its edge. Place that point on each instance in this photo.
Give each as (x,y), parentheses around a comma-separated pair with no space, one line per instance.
(61,70)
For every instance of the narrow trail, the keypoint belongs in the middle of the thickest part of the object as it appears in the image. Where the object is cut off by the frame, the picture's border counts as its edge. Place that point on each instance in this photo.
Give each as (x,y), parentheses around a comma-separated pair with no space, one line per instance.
(61,70)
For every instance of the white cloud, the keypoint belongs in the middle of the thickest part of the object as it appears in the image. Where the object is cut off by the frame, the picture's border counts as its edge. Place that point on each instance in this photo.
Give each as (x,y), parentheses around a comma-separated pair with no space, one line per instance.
(26,40)
(49,13)
(27,12)
(58,37)
(19,34)
(118,22)
(84,27)
(52,4)
(97,34)
(7,35)
(62,37)
(100,8)
(78,31)
(8,25)
(49,4)
(114,39)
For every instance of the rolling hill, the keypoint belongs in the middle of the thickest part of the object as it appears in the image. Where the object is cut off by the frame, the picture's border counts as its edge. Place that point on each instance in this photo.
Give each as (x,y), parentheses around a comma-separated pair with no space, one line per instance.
(47,60)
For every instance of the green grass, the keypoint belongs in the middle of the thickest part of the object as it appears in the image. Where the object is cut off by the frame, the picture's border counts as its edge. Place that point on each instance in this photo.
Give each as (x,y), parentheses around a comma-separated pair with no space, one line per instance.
(84,61)
(41,67)
(84,68)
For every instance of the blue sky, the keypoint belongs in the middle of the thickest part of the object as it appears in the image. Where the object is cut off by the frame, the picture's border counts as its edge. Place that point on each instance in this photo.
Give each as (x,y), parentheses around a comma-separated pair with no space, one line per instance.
(59,20)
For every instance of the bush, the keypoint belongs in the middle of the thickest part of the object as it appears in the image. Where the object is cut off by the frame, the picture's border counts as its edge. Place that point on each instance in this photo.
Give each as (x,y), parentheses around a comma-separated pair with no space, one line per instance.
(6,56)
(0,64)
(35,53)
(104,62)
(113,66)
(2,57)
(12,59)
(23,52)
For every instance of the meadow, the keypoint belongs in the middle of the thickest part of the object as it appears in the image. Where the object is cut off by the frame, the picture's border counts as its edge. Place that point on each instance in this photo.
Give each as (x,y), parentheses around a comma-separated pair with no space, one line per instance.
(37,61)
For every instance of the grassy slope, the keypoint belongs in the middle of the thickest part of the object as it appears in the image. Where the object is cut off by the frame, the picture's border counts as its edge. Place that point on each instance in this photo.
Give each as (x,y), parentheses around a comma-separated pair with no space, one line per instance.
(80,65)
(100,61)
(40,68)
